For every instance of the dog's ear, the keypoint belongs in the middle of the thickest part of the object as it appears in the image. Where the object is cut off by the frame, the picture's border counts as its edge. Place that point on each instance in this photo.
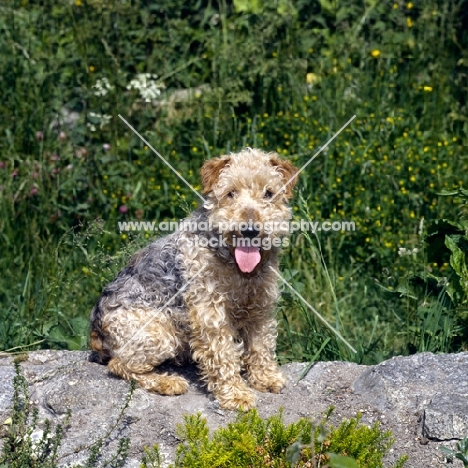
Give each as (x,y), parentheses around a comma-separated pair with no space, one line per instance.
(210,172)
(288,171)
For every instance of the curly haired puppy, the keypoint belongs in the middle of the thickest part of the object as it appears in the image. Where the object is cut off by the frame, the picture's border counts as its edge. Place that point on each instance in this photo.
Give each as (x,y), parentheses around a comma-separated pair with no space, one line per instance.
(206,293)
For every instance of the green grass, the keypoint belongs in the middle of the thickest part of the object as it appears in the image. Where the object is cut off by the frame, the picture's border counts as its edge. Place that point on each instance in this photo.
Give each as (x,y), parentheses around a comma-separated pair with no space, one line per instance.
(283,78)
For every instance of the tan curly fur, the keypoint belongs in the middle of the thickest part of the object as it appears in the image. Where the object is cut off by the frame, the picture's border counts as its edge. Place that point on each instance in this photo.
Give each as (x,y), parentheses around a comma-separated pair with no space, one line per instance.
(179,300)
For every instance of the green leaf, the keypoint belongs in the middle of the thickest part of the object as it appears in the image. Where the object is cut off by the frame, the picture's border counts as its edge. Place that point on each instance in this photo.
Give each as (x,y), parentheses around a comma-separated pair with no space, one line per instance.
(448,452)
(248,6)
(458,262)
(339,461)
(293,452)
(462,457)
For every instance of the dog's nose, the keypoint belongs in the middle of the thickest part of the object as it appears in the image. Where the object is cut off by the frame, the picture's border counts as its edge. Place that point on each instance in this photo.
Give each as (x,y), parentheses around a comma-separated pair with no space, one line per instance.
(250,232)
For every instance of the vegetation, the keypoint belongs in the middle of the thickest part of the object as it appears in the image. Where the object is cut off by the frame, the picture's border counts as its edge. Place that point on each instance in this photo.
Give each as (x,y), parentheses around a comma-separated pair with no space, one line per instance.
(200,79)
(461,452)
(31,444)
(251,441)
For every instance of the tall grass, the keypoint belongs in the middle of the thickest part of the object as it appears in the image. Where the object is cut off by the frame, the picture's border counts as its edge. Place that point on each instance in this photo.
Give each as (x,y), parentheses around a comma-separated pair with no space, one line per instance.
(283,78)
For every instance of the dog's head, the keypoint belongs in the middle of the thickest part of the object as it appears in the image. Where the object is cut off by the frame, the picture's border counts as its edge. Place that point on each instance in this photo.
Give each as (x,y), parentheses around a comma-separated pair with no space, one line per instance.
(247,195)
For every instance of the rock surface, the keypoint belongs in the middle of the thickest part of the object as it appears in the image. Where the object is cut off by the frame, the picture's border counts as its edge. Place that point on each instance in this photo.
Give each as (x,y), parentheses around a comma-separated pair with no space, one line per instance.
(422,399)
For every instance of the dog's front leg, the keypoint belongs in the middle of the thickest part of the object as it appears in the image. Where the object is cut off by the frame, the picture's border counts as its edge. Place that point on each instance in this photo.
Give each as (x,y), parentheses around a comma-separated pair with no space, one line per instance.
(262,369)
(219,358)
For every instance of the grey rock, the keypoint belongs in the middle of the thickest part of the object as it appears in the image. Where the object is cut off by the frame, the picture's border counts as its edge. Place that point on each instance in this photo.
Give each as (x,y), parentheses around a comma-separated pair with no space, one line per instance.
(419,398)
(410,382)
(446,417)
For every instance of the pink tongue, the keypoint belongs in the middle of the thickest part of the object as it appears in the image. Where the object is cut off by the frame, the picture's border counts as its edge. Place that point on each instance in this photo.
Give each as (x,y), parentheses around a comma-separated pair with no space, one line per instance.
(247,258)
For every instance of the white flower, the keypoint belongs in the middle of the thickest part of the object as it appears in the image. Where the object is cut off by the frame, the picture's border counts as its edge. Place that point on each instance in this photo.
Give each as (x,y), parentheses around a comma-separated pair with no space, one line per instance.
(402,251)
(98,119)
(102,87)
(147,86)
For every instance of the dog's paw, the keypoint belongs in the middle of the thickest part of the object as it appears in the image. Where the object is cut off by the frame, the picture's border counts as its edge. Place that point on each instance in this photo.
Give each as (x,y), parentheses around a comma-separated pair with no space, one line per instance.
(237,398)
(167,384)
(272,382)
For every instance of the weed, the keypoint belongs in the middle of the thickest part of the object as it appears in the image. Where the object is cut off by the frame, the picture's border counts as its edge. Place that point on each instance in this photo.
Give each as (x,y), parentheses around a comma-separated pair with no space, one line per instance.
(461,452)
(28,446)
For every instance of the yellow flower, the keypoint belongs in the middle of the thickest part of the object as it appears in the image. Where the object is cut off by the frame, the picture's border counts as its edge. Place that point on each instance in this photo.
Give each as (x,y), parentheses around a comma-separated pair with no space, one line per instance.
(375,53)
(395,6)
(409,22)
(91,68)
(409,5)
(427,88)
(312,78)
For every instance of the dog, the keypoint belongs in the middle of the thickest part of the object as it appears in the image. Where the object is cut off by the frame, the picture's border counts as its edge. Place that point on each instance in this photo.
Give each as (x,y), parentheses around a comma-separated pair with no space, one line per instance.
(208,293)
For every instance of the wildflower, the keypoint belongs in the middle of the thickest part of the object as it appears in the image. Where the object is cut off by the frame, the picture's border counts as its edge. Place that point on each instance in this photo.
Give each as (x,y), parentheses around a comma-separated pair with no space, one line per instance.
(139,214)
(428,89)
(375,53)
(91,68)
(39,135)
(312,78)
(34,191)
(101,119)
(409,5)
(409,22)
(402,251)
(14,173)
(102,87)
(35,175)
(106,147)
(147,86)
(2,165)
(81,152)
(54,157)
(123,209)
(69,167)
(62,136)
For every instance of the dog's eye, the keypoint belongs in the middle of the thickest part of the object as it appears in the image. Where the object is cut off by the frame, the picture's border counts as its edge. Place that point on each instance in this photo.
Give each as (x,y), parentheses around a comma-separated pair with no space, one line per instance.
(267,194)
(231,194)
